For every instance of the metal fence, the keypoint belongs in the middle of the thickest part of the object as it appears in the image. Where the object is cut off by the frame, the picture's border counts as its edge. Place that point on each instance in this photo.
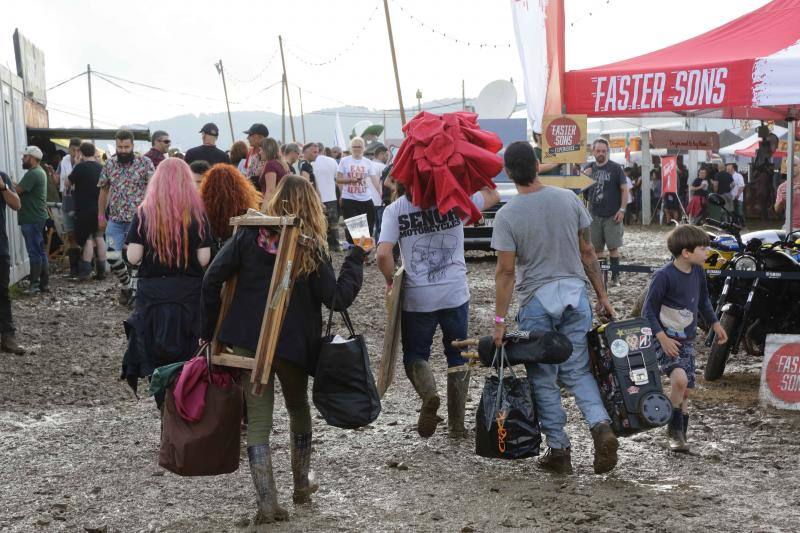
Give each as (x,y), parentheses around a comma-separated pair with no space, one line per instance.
(13,139)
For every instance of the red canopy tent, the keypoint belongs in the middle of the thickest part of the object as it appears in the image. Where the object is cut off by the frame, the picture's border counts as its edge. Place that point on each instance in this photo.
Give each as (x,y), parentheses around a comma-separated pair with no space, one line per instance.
(747,68)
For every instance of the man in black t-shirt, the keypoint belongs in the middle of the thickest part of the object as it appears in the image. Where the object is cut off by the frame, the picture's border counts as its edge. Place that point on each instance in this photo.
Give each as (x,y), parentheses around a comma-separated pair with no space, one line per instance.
(84,178)
(723,185)
(608,200)
(8,197)
(310,153)
(208,151)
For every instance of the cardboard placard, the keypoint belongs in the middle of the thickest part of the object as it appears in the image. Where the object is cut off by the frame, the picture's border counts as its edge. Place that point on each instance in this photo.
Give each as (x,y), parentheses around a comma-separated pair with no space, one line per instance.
(564,139)
(780,372)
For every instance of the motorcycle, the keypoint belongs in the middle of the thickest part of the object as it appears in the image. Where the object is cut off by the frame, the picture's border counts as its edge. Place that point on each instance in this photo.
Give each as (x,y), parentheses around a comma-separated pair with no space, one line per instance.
(726,240)
(751,307)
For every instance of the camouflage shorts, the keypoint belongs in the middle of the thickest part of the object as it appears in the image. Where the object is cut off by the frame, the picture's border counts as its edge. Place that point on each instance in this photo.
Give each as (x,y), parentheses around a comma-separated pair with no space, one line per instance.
(684,360)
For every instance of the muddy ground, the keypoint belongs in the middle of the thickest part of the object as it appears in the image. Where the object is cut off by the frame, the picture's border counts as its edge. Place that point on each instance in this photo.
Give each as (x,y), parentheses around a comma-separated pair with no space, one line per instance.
(79,452)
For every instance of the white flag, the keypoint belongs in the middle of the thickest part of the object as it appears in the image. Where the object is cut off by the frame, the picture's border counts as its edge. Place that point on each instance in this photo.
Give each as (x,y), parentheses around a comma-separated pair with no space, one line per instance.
(338,135)
(539,32)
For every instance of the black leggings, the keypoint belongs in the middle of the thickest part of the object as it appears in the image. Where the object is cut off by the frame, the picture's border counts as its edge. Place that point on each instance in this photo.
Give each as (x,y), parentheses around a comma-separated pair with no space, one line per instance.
(352,208)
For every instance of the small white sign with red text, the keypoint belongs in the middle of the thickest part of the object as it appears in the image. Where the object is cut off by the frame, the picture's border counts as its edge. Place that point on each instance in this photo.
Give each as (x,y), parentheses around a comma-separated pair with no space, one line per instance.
(780,372)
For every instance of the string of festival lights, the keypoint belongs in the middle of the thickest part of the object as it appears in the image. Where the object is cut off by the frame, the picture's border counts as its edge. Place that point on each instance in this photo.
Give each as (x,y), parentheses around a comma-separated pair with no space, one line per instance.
(260,73)
(457,40)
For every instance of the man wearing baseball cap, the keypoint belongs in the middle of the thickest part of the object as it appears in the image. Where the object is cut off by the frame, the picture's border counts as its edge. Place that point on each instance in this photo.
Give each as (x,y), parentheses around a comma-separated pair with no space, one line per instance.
(32,190)
(253,164)
(207,151)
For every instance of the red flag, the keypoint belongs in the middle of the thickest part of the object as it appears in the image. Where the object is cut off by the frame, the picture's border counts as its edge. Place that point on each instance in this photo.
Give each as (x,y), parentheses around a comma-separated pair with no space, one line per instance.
(669,175)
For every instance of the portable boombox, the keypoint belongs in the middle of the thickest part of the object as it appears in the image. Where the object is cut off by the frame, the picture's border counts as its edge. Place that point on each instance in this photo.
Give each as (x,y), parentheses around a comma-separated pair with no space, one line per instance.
(625,365)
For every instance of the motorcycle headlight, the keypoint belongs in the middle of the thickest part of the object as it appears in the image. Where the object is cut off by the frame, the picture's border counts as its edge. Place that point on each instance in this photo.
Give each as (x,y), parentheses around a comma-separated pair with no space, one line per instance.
(745,263)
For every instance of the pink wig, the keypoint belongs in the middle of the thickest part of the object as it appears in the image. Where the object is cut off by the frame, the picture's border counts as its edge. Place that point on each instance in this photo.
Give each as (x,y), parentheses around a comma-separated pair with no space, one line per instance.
(170,206)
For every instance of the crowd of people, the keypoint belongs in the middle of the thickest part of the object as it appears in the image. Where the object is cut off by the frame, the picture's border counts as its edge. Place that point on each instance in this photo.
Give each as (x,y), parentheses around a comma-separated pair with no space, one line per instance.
(160,224)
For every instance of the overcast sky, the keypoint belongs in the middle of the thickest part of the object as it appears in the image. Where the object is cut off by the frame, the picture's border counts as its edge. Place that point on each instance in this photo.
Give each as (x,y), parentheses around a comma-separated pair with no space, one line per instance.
(174,45)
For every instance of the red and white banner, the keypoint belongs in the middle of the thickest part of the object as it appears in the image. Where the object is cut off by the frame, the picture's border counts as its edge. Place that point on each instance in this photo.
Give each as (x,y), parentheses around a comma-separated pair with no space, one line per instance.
(725,70)
(669,174)
(539,32)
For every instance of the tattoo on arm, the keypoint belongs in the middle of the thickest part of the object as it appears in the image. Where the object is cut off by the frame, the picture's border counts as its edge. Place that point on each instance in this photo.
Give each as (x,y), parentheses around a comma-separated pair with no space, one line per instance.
(591,265)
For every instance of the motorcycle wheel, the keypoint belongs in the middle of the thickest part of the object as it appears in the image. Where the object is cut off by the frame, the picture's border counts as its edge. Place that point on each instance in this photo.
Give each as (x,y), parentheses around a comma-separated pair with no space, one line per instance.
(718,358)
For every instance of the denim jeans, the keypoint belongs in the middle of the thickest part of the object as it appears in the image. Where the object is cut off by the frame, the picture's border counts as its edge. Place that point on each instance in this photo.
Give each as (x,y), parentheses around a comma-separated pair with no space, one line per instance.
(378,221)
(6,321)
(34,242)
(574,374)
(417,330)
(116,233)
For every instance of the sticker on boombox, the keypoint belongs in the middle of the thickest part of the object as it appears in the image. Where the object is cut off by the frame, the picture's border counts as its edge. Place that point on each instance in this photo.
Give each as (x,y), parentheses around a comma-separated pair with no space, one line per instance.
(619,348)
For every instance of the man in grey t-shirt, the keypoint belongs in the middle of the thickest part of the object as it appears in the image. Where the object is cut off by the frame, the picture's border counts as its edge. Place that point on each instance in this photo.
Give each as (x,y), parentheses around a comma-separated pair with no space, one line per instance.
(608,199)
(435,293)
(542,244)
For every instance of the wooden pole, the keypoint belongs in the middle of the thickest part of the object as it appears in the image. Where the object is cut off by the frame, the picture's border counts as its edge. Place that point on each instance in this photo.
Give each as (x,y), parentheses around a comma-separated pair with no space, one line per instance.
(283,109)
(91,109)
(463,97)
(302,115)
(394,62)
(286,86)
(790,177)
(221,71)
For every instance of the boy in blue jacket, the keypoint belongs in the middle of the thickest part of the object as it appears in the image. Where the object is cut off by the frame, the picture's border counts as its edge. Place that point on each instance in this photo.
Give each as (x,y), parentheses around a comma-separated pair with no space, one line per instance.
(677,293)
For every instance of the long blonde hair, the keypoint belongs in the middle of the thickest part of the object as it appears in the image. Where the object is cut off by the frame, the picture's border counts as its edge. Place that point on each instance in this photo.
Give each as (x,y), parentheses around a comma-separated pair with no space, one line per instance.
(296,196)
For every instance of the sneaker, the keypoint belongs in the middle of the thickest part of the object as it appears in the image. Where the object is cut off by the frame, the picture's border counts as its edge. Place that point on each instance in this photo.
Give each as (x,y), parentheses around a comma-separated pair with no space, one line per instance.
(557,461)
(9,344)
(605,448)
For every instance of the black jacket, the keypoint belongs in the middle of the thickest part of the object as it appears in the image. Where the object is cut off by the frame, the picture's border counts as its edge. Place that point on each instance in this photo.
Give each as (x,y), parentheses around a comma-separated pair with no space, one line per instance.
(302,327)
(164,327)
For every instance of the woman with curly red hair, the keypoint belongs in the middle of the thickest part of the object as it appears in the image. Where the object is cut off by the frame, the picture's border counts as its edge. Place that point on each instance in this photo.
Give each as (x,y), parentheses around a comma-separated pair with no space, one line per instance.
(226,193)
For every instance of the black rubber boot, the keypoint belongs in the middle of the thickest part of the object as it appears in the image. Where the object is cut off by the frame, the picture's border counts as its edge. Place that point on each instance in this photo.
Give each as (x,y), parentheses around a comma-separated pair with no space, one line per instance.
(84,270)
(421,376)
(34,277)
(74,255)
(44,278)
(686,426)
(457,389)
(264,482)
(304,485)
(101,267)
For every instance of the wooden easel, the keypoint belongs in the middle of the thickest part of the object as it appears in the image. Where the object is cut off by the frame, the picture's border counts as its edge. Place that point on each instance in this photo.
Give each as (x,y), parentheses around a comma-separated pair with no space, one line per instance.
(280,289)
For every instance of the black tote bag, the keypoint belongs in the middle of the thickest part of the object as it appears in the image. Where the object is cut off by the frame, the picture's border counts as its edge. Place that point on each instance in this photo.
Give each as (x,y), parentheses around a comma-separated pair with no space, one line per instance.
(506,426)
(344,389)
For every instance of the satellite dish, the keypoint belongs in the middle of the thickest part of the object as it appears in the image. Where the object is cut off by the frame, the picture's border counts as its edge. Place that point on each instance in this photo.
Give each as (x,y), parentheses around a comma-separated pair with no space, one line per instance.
(358,129)
(496,100)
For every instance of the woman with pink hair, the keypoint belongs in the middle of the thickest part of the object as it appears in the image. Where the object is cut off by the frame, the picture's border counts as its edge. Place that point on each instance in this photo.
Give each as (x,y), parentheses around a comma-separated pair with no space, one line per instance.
(170,240)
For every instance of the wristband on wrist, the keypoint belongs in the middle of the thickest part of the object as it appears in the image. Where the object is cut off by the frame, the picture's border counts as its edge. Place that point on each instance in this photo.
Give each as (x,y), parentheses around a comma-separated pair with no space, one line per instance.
(499,320)
(101,217)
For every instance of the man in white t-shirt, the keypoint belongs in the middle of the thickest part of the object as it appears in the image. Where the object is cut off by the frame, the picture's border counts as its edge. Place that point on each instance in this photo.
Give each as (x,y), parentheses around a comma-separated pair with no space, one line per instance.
(435,293)
(68,204)
(379,163)
(738,189)
(356,175)
(325,169)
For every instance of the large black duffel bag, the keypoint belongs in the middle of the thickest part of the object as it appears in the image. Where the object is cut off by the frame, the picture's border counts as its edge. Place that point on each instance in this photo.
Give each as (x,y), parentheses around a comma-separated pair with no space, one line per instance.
(344,388)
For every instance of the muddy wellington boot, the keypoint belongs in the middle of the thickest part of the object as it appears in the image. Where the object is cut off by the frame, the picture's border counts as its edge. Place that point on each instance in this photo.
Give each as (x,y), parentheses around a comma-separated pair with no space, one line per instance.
(457,389)
(557,461)
(267,494)
(74,255)
(9,344)
(686,427)
(605,448)
(675,435)
(304,485)
(421,376)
